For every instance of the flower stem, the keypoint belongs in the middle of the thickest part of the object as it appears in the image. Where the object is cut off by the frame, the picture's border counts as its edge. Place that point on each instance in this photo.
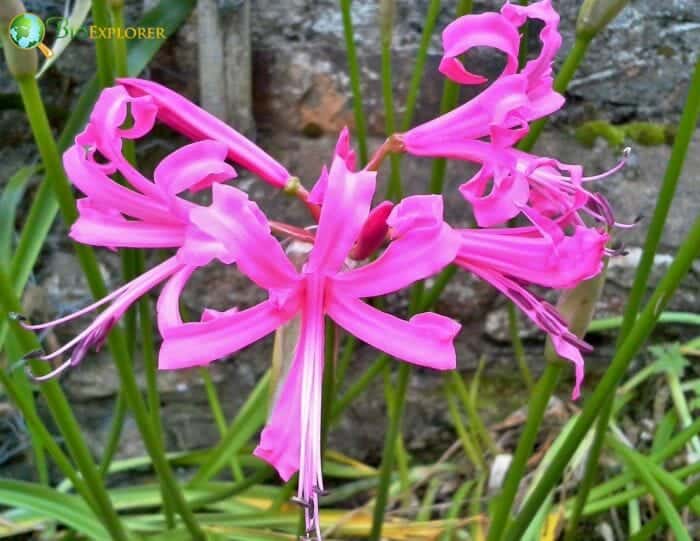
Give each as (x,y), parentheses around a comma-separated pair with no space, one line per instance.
(667,192)
(686,254)
(354,71)
(417,75)
(387,466)
(518,348)
(115,430)
(103,47)
(540,396)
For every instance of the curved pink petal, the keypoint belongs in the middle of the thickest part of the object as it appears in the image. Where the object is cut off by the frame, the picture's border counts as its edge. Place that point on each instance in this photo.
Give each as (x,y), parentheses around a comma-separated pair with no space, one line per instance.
(423,244)
(536,259)
(483,30)
(508,192)
(94,183)
(184,116)
(198,344)
(542,314)
(168,307)
(425,340)
(242,229)
(344,211)
(494,107)
(280,440)
(98,228)
(195,167)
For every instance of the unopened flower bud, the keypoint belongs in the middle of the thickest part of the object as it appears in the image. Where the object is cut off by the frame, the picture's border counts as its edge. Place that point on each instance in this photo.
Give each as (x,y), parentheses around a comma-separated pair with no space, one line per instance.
(594,15)
(577,307)
(20,62)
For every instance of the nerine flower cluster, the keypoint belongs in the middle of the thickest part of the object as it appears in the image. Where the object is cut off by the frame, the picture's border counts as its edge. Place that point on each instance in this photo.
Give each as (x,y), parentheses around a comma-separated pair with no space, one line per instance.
(359,250)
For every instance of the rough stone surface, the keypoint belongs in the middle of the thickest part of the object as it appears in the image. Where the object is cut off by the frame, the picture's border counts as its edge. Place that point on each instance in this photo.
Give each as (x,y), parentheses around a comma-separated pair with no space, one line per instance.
(638,69)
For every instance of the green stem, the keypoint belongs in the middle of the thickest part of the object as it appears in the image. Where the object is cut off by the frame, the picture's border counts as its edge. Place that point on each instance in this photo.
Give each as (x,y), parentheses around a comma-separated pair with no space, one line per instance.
(354,71)
(103,47)
(518,348)
(219,418)
(115,431)
(661,498)
(561,82)
(640,331)
(475,422)
(419,67)
(387,465)
(667,192)
(386,22)
(610,323)
(471,448)
(345,358)
(654,524)
(535,413)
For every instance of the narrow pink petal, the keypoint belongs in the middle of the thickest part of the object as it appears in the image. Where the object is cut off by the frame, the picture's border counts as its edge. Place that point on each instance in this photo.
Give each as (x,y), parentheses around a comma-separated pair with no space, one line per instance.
(98,228)
(291,439)
(280,440)
(100,188)
(168,307)
(484,30)
(472,120)
(343,213)
(425,340)
(536,259)
(184,116)
(540,313)
(243,231)
(195,166)
(183,345)
(423,244)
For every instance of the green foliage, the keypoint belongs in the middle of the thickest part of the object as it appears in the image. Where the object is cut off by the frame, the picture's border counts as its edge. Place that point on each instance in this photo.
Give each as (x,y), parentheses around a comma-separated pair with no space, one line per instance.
(643,133)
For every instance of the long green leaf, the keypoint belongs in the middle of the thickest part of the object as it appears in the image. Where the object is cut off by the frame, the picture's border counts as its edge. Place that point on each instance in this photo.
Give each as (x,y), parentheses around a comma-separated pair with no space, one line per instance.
(9,201)
(68,510)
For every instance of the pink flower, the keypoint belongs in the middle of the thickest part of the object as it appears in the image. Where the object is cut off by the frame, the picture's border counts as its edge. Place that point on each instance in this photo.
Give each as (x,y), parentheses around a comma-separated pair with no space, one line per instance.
(539,255)
(421,244)
(145,214)
(484,129)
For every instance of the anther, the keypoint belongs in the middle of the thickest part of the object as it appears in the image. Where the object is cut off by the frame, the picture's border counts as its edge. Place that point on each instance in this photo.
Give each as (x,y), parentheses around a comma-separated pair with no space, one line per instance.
(14,316)
(626,152)
(301,503)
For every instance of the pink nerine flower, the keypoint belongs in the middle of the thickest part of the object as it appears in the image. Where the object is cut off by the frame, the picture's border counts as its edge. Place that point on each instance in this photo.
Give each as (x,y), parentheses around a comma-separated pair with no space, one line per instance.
(421,245)
(539,255)
(484,129)
(145,214)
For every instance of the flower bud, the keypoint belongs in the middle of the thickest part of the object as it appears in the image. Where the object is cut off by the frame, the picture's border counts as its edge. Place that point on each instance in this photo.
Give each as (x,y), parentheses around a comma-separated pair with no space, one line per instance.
(20,62)
(577,306)
(594,15)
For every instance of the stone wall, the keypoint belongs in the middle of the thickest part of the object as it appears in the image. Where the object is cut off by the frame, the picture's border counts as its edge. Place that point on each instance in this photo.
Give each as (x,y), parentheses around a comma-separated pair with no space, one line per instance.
(638,69)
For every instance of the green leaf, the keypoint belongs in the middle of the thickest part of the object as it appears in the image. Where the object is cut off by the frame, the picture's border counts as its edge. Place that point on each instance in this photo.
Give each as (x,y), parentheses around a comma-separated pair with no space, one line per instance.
(68,510)
(74,21)
(670,359)
(250,418)
(9,201)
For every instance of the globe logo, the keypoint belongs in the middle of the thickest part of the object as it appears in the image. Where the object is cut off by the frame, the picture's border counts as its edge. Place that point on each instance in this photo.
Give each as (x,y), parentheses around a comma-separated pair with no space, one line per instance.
(27,31)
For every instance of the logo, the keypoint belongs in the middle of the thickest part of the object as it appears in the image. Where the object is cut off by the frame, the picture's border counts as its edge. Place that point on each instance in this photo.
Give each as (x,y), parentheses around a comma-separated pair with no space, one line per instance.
(27,31)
